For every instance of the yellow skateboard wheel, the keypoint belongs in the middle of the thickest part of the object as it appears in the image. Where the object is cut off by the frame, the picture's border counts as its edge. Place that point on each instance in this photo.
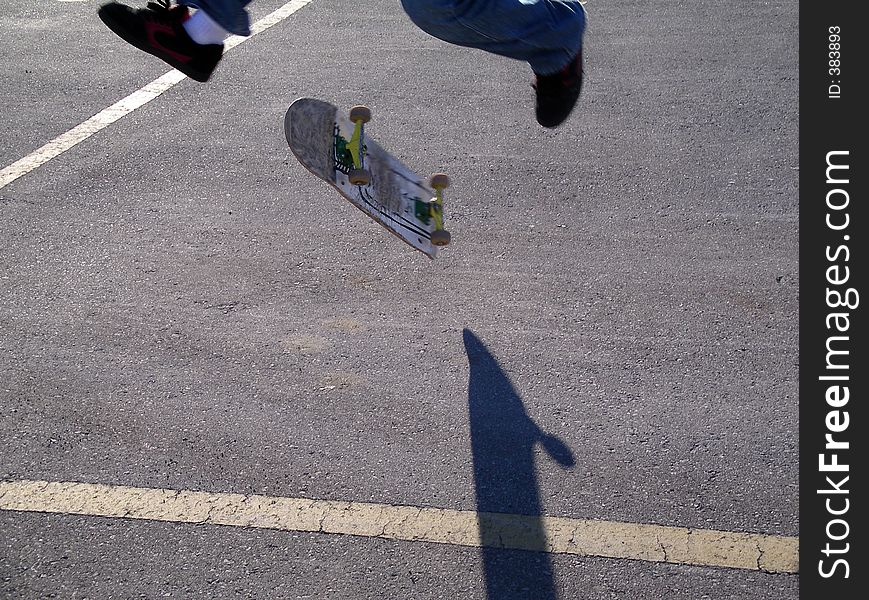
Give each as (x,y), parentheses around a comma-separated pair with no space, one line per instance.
(359,177)
(441,237)
(360,114)
(439,181)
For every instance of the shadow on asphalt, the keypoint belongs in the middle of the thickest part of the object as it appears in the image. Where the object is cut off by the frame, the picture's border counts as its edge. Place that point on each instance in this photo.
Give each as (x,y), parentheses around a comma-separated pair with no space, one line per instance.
(503,438)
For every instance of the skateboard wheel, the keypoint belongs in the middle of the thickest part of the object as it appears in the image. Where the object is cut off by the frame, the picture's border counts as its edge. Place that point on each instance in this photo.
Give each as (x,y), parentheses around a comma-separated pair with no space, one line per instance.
(439,181)
(359,177)
(360,113)
(441,237)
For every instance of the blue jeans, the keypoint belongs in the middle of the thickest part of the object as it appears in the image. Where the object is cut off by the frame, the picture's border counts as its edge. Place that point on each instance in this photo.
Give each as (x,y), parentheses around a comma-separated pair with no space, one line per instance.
(547,34)
(229,14)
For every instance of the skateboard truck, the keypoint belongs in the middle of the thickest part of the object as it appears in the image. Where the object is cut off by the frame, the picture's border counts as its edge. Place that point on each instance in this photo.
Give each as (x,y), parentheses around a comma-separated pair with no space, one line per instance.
(438,182)
(359,175)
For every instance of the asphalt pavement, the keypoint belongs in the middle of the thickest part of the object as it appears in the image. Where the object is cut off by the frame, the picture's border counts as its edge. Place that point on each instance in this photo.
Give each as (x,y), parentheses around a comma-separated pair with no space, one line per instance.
(612,335)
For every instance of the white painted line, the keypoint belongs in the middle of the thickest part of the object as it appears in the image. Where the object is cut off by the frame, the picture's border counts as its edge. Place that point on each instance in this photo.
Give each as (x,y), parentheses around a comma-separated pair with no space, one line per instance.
(106,117)
(96,123)
(677,545)
(268,21)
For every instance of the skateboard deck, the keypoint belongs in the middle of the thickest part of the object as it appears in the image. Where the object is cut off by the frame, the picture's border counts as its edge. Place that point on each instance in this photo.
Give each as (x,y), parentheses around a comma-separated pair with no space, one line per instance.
(336,149)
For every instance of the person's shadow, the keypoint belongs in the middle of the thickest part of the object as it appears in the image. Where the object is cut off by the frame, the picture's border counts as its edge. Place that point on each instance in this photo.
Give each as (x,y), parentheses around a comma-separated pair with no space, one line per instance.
(503,438)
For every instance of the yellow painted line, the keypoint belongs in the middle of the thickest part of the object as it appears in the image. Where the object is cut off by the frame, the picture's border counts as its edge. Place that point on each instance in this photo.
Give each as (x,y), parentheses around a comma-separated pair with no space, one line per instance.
(677,545)
(123,107)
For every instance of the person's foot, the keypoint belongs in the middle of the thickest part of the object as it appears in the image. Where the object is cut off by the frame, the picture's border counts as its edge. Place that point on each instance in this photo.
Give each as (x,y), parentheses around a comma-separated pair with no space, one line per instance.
(557,94)
(158,29)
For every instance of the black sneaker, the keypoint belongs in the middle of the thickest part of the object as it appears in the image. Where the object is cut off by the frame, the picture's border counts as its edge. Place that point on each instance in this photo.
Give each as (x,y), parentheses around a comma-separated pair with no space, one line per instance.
(157,29)
(557,94)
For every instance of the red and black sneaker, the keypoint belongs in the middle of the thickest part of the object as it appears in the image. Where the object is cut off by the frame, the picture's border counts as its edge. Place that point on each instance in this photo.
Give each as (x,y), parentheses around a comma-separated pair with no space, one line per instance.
(557,94)
(158,30)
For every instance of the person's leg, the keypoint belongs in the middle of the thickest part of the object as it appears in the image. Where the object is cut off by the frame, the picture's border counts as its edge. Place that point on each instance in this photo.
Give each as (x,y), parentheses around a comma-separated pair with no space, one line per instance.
(229,14)
(191,44)
(547,34)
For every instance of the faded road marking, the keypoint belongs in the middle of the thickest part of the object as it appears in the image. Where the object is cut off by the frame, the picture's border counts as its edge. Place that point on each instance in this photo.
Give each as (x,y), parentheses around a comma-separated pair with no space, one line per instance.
(137,99)
(700,547)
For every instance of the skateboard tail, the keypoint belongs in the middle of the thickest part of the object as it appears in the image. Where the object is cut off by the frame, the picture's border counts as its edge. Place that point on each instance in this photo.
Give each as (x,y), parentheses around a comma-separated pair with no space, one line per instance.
(308,127)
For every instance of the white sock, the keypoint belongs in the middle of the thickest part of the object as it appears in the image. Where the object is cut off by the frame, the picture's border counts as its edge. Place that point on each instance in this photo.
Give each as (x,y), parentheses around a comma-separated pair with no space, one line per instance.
(204,30)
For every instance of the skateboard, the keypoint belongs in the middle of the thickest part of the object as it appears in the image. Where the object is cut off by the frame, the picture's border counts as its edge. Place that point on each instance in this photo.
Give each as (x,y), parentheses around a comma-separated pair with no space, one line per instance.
(333,145)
